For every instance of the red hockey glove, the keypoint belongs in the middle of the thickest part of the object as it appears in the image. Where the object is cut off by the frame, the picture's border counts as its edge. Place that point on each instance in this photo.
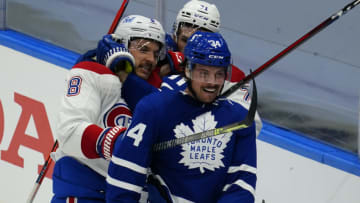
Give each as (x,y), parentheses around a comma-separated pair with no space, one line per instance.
(97,142)
(176,60)
(106,141)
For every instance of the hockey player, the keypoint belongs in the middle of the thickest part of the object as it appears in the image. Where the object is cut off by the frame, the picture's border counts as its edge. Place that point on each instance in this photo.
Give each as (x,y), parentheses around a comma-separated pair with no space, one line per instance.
(195,15)
(216,169)
(93,113)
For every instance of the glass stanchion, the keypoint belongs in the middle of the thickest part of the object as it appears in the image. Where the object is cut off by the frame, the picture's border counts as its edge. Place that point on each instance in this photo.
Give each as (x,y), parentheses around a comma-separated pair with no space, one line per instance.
(2,14)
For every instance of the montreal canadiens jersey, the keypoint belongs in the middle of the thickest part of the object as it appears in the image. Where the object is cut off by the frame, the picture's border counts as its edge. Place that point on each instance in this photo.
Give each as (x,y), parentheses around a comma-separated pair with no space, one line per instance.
(215,169)
(92,98)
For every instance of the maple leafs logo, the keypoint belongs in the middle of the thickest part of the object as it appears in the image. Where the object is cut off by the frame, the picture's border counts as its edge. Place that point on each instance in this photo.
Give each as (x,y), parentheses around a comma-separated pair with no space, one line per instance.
(205,153)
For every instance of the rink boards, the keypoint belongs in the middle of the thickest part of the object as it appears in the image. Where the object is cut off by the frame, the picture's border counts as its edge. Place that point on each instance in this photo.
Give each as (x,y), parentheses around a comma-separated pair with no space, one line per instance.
(291,168)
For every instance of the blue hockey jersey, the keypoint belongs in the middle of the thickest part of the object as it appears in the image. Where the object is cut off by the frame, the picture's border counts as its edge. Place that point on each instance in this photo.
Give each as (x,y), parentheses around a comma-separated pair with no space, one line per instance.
(178,83)
(216,169)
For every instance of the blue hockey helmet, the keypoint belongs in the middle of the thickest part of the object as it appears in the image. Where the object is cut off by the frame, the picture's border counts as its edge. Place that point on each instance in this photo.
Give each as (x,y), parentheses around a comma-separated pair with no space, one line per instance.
(208,49)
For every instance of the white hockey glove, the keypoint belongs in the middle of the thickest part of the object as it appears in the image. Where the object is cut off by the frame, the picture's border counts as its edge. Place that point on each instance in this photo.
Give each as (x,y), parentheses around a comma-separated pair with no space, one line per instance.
(106,141)
(114,55)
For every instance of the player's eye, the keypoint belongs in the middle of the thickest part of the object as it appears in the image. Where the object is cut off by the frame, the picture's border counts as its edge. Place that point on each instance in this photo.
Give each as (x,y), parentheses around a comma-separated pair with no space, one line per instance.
(220,75)
(184,39)
(204,74)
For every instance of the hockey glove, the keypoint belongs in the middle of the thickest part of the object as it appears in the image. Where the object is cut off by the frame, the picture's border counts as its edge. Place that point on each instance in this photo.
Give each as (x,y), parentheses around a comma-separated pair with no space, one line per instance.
(176,61)
(114,55)
(106,141)
(88,56)
(170,43)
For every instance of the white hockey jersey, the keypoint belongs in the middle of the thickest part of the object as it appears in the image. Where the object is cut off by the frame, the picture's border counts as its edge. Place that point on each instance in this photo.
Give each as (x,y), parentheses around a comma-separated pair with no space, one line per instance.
(92,102)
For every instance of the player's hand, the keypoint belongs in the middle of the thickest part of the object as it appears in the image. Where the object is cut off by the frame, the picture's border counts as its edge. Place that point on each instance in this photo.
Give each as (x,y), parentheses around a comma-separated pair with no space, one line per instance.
(114,55)
(88,56)
(175,61)
(106,141)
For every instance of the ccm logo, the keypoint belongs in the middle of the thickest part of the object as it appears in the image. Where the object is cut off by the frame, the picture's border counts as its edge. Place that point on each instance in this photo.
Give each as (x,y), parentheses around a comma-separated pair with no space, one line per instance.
(216,57)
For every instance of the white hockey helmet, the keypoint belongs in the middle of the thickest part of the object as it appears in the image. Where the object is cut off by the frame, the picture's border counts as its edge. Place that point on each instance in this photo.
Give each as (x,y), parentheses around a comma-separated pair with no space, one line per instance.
(199,13)
(137,26)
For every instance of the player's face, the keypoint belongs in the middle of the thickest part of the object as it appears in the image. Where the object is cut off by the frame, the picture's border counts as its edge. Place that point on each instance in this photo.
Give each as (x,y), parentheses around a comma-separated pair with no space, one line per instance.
(207,82)
(183,36)
(146,54)
(185,32)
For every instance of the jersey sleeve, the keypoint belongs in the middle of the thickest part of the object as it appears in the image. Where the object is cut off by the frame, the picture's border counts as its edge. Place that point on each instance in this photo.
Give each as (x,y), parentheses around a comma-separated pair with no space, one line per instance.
(236,74)
(141,87)
(132,155)
(243,97)
(80,109)
(241,175)
(173,82)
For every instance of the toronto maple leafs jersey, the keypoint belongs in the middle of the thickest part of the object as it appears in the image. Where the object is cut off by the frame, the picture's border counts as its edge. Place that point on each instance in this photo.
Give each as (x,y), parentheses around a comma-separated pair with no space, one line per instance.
(216,169)
(92,102)
(178,83)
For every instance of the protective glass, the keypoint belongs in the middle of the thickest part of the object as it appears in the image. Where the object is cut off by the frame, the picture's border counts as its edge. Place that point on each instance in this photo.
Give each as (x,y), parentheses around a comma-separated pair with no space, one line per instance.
(187,29)
(146,47)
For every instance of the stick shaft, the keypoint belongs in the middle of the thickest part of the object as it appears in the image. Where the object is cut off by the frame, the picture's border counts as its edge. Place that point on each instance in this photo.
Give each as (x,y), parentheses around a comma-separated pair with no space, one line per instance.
(213,132)
(42,174)
(48,162)
(118,16)
(291,47)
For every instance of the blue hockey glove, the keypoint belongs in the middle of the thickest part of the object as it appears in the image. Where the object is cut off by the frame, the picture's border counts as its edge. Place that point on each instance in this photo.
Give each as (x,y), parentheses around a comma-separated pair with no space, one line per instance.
(114,55)
(88,56)
(170,43)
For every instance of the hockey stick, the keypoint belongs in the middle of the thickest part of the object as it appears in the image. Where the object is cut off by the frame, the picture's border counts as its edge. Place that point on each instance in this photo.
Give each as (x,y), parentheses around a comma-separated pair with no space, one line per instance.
(42,174)
(288,49)
(213,132)
(47,163)
(118,16)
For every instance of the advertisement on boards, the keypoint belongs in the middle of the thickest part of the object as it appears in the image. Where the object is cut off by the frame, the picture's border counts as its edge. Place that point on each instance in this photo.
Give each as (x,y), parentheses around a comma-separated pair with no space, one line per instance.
(30,95)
